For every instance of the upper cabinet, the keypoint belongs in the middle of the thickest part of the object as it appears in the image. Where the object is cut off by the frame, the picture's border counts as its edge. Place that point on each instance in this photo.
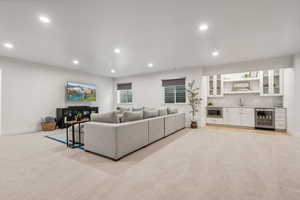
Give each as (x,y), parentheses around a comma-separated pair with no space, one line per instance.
(271,82)
(264,83)
(215,86)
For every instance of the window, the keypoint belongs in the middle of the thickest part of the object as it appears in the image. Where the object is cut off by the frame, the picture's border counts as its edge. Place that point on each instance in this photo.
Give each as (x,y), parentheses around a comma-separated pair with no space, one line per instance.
(124,93)
(174,90)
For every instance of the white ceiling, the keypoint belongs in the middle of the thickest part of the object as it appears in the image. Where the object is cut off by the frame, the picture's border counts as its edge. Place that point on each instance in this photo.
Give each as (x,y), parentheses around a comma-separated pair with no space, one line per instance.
(164,32)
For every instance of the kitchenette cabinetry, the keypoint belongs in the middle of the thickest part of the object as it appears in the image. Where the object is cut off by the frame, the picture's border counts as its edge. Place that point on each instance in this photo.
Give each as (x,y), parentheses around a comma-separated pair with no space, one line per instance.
(280,119)
(245,117)
(215,86)
(239,117)
(271,82)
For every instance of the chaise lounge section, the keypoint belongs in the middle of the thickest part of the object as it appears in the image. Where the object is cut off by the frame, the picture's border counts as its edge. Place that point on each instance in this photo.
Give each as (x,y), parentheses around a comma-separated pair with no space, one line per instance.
(116,140)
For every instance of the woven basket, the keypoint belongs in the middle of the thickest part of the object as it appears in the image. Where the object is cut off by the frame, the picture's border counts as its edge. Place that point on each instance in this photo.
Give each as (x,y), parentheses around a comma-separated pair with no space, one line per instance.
(48,126)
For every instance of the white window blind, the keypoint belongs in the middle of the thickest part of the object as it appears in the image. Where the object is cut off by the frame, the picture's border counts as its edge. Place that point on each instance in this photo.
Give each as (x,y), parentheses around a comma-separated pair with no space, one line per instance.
(174,90)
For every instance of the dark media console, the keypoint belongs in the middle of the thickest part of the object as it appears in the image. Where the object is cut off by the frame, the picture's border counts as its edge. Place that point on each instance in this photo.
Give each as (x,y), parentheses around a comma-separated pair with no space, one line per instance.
(69,113)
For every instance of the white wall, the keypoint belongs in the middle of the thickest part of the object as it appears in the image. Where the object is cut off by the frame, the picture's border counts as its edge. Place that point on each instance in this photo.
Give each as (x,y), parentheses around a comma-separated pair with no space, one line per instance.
(147,89)
(294,98)
(0,101)
(289,97)
(32,91)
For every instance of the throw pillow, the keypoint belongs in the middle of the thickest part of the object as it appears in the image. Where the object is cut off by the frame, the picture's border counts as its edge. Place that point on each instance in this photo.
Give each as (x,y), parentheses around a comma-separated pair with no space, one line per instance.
(150,113)
(122,109)
(162,112)
(172,110)
(137,109)
(109,117)
(132,116)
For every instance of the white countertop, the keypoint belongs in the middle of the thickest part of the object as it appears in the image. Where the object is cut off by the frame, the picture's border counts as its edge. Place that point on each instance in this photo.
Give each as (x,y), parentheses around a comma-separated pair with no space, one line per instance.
(245,107)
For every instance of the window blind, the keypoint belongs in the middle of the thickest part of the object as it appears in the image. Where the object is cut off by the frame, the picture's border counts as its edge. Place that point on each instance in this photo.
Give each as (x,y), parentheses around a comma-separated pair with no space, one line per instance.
(173,82)
(124,86)
(174,90)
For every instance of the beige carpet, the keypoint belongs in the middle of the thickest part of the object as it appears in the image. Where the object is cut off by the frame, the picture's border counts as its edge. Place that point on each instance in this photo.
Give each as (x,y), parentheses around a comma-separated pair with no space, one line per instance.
(192,164)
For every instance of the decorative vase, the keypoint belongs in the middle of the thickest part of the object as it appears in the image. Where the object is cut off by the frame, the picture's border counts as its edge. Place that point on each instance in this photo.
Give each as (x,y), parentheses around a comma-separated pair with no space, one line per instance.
(194,124)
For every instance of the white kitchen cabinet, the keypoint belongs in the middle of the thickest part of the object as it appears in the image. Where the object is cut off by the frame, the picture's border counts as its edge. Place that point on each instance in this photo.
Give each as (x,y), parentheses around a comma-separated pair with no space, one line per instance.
(271,83)
(239,117)
(280,119)
(215,86)
(218,121)
(247,117)
(231,116)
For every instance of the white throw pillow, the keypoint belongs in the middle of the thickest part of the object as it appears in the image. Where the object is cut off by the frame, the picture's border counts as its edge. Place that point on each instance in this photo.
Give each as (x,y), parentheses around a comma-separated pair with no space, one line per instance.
(172,110)
(109,117)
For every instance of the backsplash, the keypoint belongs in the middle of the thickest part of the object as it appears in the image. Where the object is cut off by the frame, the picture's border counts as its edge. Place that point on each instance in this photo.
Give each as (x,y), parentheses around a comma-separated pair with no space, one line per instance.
(247,100)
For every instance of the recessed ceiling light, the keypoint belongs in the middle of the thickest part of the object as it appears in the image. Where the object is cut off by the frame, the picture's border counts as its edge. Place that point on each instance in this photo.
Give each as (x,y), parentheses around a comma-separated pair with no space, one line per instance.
(75,62)
(44,19)
(150,65)
(203,27)
(8,45)
(117,50)
(113,71)
(215,53)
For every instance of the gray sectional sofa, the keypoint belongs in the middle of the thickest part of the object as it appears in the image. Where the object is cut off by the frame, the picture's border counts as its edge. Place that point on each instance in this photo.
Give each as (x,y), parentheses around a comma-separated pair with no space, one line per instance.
(116,140)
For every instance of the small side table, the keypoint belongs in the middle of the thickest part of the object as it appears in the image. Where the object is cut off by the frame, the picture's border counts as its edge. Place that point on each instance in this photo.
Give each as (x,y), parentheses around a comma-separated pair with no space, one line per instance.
(72,124)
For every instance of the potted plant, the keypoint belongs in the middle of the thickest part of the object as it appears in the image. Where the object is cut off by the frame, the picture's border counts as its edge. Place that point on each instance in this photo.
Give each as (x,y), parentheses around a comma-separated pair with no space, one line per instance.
(48,123)
(194,101)
(78,116)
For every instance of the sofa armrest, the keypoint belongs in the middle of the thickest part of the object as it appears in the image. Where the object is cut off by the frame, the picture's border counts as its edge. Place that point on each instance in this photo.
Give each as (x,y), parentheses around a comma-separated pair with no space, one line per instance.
(130,137)
(100,138)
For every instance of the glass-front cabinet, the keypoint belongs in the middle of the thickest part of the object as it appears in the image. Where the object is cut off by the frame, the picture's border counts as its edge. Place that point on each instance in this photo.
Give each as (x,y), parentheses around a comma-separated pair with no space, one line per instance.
(215,85)
(265,82)
(272,82)
(219,85)
(211,86)
(277,82)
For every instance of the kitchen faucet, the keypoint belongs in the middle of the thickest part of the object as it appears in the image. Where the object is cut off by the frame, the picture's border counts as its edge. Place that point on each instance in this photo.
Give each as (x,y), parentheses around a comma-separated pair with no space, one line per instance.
(241,102)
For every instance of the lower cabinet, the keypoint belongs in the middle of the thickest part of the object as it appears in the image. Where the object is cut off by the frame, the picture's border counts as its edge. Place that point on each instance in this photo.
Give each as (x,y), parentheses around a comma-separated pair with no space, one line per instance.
(247,117)
(239,117)
(218,121)
(280,119)
(232,116)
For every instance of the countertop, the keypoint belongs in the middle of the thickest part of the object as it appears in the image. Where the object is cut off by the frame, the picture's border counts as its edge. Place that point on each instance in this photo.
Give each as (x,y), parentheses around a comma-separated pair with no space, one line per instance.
(245,107)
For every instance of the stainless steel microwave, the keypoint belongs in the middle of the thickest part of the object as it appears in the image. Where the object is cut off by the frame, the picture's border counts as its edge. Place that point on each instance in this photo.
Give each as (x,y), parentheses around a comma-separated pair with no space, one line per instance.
(214,112)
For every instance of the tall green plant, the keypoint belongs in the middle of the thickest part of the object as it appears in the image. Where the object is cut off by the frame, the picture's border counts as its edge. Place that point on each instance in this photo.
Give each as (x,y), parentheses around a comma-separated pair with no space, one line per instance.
(193,97)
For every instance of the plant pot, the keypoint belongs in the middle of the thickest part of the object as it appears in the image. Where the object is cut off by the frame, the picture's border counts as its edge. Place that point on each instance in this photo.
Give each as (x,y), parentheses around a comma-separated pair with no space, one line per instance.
(194,124)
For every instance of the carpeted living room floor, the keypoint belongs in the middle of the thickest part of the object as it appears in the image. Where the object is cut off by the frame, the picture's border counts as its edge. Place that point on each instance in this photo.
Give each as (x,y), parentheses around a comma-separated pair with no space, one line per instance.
(191,164)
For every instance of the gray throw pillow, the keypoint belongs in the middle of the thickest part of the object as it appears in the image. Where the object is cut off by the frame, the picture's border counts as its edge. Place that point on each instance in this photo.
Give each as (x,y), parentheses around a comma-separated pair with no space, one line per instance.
(172,110)
(150,113)
(137,109)
(122,109)
(132,116)
(162,112)
(148,108)
(109,117)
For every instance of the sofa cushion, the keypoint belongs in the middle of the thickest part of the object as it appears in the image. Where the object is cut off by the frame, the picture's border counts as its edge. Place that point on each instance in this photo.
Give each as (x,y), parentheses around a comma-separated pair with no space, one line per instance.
(162,112)
(109,117)
(150,113)
(137,109)
(132,116)
(172,110)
